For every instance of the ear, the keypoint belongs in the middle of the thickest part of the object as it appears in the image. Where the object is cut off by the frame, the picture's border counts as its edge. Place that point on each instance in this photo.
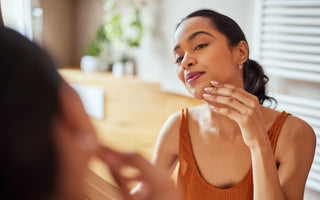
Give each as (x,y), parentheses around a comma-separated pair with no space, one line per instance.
(242,52)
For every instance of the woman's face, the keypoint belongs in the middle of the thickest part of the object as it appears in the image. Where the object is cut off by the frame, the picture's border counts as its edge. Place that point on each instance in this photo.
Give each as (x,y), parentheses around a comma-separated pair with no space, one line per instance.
(202,55)
(76,143)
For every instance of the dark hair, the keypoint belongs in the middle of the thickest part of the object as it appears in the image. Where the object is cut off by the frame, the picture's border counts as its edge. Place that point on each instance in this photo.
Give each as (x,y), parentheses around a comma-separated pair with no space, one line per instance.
(254,79)
(29,101)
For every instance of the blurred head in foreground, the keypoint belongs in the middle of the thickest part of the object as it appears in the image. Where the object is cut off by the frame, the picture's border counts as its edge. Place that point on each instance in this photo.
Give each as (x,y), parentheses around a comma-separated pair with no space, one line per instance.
(46,136)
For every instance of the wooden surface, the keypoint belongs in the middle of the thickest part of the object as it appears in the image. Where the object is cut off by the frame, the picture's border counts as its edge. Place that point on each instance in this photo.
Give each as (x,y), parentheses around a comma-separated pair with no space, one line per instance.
(134,112)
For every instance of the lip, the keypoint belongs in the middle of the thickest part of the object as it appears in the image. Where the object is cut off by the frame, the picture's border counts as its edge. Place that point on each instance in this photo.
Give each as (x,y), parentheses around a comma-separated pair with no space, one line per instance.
(191,77)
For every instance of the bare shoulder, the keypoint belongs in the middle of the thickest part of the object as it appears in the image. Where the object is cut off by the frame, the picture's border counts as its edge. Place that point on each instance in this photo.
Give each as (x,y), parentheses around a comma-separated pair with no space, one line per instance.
(297,137)
(168,139)
(298,130)
(172,123)
(294,129)
(167,145)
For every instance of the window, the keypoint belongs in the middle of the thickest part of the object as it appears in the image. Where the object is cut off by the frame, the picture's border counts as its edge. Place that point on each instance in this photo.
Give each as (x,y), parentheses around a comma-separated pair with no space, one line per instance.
(17,15)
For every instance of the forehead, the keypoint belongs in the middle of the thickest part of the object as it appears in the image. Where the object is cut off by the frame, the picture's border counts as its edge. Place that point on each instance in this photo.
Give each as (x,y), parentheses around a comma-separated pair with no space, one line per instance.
(192,25)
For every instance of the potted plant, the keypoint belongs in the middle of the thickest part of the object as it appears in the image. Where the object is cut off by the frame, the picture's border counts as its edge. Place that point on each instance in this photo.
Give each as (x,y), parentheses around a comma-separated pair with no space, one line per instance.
(121,32)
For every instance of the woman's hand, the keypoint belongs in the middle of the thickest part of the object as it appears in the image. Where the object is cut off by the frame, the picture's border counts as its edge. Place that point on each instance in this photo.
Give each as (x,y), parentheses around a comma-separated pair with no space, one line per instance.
(240,106)
(158,183)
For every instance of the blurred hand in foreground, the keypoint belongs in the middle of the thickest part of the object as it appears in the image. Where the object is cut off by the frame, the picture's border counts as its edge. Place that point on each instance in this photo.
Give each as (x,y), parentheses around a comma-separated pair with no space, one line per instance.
(157,181)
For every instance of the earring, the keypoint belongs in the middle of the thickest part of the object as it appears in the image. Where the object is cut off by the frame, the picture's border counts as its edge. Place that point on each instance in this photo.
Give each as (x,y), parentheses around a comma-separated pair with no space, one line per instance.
(240,66)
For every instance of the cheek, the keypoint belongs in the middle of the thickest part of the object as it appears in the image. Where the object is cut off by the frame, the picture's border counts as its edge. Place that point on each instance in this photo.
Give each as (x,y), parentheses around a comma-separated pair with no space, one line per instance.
(220,56)
(222,65)
(180,74)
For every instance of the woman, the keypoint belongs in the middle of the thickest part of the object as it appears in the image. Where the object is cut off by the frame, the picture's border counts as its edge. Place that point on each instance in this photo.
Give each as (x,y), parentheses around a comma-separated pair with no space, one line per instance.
(231,147)
(46,136)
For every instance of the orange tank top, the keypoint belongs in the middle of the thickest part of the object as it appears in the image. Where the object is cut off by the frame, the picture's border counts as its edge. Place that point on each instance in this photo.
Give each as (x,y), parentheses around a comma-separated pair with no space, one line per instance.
(195,187)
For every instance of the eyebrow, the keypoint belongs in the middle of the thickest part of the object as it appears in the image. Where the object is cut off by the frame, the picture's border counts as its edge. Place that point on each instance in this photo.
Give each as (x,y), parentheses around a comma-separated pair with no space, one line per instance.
(192,36)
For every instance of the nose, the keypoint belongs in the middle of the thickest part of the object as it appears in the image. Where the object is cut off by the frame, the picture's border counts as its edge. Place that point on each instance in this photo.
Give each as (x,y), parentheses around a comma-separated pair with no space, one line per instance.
(189,63)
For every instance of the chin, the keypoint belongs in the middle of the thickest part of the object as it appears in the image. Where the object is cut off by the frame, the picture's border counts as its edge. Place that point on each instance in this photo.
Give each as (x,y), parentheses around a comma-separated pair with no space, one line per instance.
(196,93)
(197,90)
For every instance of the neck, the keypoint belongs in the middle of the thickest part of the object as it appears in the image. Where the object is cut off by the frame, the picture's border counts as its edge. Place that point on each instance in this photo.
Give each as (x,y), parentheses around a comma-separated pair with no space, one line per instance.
(222,125)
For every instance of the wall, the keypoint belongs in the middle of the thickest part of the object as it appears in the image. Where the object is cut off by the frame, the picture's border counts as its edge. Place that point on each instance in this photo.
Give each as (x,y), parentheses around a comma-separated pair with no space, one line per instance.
(68,27)
(58,17)
(89,16)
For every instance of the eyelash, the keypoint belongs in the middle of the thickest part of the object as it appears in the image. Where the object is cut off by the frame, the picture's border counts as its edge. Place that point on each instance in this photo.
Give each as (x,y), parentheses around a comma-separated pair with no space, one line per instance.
(178,60)
(198,47)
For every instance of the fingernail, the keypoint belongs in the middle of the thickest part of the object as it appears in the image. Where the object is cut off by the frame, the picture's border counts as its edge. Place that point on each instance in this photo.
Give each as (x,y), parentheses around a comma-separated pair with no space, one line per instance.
(207,96)
(208,89)
(214,82)
(211,107)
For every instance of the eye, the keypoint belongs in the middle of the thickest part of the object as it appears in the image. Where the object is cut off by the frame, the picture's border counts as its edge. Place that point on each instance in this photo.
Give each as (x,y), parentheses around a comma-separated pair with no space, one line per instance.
(179,60)
(200,46)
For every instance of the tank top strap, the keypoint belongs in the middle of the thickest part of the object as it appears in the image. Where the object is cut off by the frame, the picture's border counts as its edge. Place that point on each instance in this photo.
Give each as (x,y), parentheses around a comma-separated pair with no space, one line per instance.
(184,125)
(276,128)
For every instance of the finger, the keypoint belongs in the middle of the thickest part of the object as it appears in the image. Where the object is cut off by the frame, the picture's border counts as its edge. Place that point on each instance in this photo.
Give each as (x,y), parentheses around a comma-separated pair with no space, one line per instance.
(232,87)
(136,160)
(121,182)
(111,158)
(118,158)
(126,160)
(228,102)
(235,92)
(230,92)
(122,157)
(228,112)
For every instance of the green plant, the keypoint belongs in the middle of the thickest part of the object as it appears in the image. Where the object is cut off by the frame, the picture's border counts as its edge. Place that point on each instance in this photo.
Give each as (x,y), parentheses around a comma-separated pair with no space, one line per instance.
(122,31)
(95,47)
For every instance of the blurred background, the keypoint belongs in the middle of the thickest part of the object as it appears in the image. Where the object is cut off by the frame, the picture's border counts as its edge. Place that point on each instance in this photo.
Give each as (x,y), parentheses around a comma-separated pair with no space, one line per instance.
(135,37)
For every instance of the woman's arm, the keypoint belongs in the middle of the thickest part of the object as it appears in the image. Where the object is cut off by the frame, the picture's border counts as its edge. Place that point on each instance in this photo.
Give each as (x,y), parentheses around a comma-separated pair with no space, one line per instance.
(167,146)
(295,151)
(166,150)
(269,183)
